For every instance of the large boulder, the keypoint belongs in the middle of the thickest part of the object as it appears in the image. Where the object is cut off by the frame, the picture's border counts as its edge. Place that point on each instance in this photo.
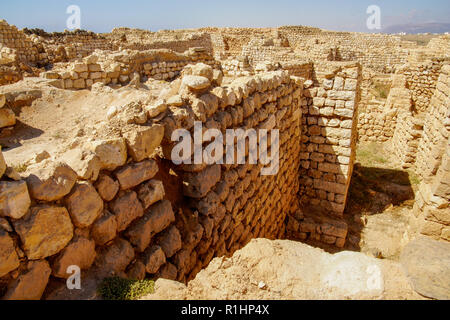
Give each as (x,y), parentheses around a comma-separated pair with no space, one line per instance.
(51,181)
(14,199)
(427,264)
(84,204)
(44,231)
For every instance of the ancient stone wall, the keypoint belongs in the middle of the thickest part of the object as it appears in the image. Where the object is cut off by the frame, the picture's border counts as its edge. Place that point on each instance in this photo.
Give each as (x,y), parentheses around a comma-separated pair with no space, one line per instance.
(434,139)
(15,46)
(107,202)
(329,137)
(120,68)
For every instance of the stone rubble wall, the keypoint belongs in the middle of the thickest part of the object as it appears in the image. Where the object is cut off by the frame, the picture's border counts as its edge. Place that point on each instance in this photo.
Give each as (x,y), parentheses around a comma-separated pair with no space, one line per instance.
(421,81)
(119,68)
(15,46)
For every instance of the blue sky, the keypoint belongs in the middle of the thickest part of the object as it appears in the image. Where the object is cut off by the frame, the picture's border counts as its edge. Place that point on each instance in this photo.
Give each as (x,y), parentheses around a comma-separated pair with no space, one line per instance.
(103,15)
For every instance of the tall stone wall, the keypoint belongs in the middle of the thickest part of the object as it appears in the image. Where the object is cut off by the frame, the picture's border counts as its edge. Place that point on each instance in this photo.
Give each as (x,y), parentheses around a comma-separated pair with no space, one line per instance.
(434,140)
(329,137)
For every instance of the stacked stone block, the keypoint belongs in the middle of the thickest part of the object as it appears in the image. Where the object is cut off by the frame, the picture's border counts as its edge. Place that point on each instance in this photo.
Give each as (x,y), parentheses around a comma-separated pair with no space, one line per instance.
(329,138)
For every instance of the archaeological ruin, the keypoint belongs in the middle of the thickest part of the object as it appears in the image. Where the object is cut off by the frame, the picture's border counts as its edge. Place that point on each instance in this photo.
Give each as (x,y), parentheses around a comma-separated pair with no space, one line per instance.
(87,123)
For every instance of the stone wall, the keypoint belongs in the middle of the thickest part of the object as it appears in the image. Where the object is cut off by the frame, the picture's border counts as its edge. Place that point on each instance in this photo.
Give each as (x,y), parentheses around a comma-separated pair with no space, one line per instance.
(15,46)
(436,128)
(108,205)
(120,68)
(329,137)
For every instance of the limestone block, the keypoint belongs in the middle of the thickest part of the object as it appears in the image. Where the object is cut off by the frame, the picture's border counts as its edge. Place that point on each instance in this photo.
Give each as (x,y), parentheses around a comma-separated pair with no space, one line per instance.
(156,219)
(104,229)
(14,199)
(7,117)
(51,181)
(84,204)
(143,140)
(126,208)
(45,231)
(136,173)
(9,260)
(80,252)
(31,284)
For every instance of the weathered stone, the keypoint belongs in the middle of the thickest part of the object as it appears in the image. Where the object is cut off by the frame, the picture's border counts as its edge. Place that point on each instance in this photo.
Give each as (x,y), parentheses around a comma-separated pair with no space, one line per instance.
(51,182)
(104,229)
(195,82)
(44,231)
(157,218)
(136,271)
(143,140)
(427,264)
(199,184)
(84,204)
(126,209)
(14,199)
(80,252)
(30,285)
(9,260)
(154,258)
(2,163)
(167,271)
(85,163)
(107,187)
(170,241)
(112,153)
(151,192)
(115,258)
(2,100)
(7,117)
(136,173)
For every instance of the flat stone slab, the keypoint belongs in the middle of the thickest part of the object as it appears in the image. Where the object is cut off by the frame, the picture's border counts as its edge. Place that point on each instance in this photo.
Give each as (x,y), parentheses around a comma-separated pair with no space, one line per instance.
(427,264)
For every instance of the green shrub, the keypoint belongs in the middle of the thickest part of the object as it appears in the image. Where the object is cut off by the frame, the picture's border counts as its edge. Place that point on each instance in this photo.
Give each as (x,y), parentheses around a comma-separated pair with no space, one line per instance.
(116,288)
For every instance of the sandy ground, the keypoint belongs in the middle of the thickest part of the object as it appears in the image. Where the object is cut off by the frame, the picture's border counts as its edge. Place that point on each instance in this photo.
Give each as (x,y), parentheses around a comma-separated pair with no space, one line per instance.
(283,269)
(58,117)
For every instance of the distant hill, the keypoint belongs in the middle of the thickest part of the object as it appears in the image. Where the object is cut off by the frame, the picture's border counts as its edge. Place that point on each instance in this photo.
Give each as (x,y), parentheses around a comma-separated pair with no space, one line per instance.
(433,27)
